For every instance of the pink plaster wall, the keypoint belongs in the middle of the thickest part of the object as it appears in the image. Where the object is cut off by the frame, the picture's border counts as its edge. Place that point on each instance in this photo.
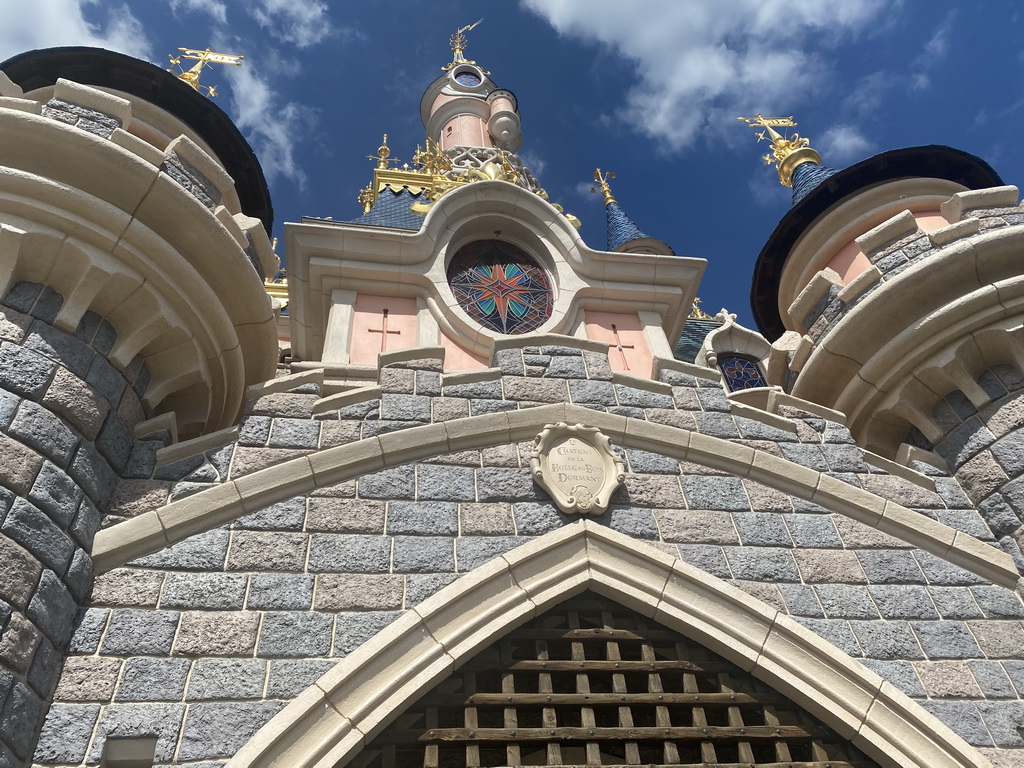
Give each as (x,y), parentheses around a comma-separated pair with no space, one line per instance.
(467,130)
(368,317)
(849,261)
(458,358)
(635,356)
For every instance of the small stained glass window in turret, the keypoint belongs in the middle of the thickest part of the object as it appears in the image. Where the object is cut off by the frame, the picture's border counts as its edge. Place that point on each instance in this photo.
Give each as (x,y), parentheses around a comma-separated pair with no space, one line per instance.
(468,79)
(740,373)
(500,286)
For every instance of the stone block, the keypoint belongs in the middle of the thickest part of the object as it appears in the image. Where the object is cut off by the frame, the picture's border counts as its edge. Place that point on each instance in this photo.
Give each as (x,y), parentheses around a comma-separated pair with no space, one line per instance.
(899,673)
(283,404)
(845,601)
(963,717)
(288,678)
(998,602)
(204,633)
(349,553)
(227,679)
(946,640)
(72,353)
(999,639)
(203,551)
(697,527)
(835,631)
(284,516)
(887,640)
(445,483)
(762,529)
(18,643)
(19,573)
(43,431)
(405,408)
(218,730)
(588,392)
(426,518)
(74,400)
(254,431)
(762,564)
(13,324)
(133,631)
(132,498)
(397,483)
(714,493)
(280,592)
(267,551)
(52,608)
(809,456)
(291,634)
(856,535)
(903,601)
(992,680)
(397,380)
(88,678)
(829,566)
(23,371)
(19,719)
(652,492)
(33,530)
(345,515)
(294,433)
(91,471)
(245,461)
(890,567)
(981,476)
(955,603)
(106,380)
(212,591)
(632,521)
(940,572)
(45,668)
(812,530)
(505,484)
(153,679)
(423,554)
(128,720)
(536,519)
(66,732)
(88,629)
(354,629)
(448,408)
(1004,720)
(706,557)
(473,551)
(488,519)
(179,469)
(334,433)
(420,586)
(499,456)
(651,463)
(800,600)
(547,390)
(358,592)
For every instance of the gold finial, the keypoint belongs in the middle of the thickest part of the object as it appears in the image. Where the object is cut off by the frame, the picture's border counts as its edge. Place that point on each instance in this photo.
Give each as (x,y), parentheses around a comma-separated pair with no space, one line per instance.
(202,58)
(787,152)
(366,198)
(696,313)
(458,44)
(383,154)
(606,190)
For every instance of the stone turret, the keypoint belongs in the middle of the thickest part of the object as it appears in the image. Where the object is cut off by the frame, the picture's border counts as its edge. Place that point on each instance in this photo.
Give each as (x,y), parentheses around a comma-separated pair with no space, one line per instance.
(133,312)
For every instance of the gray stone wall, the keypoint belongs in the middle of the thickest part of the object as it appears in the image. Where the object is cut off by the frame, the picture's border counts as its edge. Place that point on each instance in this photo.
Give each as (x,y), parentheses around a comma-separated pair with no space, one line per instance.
(86,119)
(201,644)
(65,435)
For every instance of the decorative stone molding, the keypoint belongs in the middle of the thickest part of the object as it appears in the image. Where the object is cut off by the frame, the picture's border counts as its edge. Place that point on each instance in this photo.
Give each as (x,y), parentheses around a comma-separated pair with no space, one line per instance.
(577,466)
(329,723)
(959,204)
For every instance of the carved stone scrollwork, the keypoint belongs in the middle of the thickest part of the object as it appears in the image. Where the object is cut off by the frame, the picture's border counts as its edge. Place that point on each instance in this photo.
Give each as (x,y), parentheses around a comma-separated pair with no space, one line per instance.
(477,157)
(577,466)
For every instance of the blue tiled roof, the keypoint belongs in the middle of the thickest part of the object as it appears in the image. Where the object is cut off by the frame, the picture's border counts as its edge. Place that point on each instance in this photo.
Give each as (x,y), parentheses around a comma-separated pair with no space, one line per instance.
(621,228)
(806,177)
(392,210)
(692,337)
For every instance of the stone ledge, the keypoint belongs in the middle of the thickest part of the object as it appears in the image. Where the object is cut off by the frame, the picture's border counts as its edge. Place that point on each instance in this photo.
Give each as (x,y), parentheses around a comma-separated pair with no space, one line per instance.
(780,399)
(900,225)
(947,235)
(639,382)
(812,293)
(549,340)
(899,470)
(660,364)
(212,171)
(141,149)
(343,399)
(959,204)
(470,377)
(21,105)
(285,383)
(164,422)
(93,98)
(802,353)
(755,413)
(910,453)
(391,357)
(173,453)
(856,287)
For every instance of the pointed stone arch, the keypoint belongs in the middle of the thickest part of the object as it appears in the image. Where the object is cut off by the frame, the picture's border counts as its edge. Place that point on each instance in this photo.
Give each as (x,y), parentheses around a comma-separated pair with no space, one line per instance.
(330,722)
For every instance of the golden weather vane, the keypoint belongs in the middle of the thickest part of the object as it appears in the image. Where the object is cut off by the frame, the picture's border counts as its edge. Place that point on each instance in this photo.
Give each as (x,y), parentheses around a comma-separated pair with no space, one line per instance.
(787,151)
(202,58)
(383,156)
(458,44)
(602,180)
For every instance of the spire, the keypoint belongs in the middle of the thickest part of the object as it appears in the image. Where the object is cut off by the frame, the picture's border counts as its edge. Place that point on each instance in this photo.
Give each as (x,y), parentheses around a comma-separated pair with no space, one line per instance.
(623,233)
(799,165)
(458,44)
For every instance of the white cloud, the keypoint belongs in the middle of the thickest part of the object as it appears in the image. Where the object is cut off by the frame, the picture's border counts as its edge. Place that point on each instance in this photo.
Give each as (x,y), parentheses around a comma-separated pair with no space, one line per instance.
(840,144)
(274,127)
(934,52)
(301,22)
(215,9)
(702,63)
(47,23)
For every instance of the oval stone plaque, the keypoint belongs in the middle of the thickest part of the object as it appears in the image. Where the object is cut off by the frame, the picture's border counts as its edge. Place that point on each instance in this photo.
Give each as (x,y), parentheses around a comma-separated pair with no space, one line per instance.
(577,466)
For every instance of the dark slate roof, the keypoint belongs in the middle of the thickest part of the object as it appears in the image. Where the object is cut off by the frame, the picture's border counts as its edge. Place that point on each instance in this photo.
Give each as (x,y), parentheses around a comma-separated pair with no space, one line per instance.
(692,337)
(621,228)
(392,210)
(806,177)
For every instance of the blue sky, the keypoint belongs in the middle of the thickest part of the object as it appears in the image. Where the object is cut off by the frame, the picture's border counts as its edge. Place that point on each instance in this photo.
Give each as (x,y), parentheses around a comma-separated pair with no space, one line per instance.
(647,88)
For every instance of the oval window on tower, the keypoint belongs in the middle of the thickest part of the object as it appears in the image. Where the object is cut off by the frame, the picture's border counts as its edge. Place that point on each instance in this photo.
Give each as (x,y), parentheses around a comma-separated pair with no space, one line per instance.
(500,286)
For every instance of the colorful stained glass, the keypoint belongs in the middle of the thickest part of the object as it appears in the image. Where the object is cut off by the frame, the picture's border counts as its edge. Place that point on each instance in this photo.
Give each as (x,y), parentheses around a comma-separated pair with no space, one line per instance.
(500,287)
(468,79)
(740,373)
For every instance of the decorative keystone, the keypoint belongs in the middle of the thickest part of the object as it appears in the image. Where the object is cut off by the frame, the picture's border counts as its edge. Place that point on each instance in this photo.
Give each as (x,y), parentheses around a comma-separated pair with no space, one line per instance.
(577,466)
